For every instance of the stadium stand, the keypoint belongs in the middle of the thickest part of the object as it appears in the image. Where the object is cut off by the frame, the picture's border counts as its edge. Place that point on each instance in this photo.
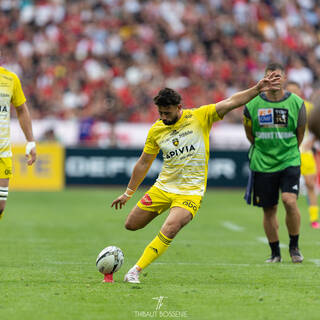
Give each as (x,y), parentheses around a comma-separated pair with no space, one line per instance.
(105,59)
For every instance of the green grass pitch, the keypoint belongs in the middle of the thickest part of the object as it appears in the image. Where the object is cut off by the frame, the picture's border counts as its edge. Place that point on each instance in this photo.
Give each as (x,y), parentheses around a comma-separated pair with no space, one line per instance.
(214,269)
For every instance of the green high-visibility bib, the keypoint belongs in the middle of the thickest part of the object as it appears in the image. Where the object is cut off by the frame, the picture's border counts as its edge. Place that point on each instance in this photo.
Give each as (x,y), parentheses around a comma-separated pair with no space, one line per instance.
(274,126)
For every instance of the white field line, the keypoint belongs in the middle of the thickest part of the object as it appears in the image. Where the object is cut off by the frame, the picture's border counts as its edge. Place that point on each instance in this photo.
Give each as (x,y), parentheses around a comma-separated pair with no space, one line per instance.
(232,226)
(263,264)
(65,262)
(315,261)
(204,264)
(265,240)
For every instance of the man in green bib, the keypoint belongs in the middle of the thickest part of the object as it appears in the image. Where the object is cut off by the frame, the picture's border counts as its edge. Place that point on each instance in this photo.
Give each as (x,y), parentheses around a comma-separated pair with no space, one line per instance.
(275,123)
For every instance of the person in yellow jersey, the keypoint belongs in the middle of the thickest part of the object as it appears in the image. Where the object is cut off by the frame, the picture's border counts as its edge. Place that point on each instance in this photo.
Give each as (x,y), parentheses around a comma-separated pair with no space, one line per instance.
(308,164)
(183,137)
(314,117)
(11,93)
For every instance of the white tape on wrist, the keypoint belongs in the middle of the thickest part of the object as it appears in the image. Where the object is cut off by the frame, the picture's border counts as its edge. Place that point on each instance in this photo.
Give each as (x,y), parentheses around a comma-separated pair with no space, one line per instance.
(129,192)
(127,195)
(30,145)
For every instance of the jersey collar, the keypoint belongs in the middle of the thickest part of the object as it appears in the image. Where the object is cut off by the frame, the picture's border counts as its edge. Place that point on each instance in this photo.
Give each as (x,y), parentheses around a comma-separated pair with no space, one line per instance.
(286,96)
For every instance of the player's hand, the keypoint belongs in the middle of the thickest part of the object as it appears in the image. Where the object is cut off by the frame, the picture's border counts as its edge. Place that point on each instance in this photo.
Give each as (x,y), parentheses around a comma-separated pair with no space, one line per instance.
(31,154)
(270,82)
(120,201)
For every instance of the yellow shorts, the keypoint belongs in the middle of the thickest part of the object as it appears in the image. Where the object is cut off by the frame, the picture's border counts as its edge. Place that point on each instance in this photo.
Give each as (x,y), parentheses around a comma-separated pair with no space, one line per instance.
(5,168)
(157,200)
(308,164)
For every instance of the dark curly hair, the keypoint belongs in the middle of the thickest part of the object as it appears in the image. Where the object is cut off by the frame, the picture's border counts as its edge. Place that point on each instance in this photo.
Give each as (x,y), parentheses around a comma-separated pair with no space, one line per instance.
(167,97)
(273,66)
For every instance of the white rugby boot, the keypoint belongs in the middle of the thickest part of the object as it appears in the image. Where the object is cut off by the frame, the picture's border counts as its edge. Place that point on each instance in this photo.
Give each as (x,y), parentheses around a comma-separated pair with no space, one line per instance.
(132,275)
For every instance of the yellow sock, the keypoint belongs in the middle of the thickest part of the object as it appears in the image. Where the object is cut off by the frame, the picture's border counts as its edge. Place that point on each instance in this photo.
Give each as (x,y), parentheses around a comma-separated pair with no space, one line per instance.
(154,250)
(313,212)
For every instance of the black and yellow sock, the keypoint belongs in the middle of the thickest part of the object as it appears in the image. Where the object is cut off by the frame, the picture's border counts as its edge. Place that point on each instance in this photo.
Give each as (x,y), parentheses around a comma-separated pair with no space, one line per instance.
(154,250)
(313,213)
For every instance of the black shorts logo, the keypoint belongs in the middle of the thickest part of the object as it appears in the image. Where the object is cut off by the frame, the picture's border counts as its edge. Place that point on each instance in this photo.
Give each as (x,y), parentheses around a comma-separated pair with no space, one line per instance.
(190,204)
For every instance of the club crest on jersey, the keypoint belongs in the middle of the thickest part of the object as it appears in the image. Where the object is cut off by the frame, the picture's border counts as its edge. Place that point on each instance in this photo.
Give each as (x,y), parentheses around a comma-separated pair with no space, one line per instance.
(175,142)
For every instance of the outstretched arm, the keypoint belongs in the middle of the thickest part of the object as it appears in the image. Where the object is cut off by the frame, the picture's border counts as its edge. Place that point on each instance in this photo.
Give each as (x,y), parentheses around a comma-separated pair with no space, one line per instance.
(270,82)
(139,172)
(26,126)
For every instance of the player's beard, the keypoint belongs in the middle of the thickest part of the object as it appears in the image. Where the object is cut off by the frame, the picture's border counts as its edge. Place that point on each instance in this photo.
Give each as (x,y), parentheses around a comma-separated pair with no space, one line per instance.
(170,122)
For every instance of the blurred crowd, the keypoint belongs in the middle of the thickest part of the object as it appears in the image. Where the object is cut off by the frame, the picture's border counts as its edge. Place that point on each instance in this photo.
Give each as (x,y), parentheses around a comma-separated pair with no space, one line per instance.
(106,59)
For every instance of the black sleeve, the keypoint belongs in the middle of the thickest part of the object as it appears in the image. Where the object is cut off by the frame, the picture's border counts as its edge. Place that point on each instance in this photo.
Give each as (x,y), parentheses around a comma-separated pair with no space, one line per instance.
(246,112)
(302,118)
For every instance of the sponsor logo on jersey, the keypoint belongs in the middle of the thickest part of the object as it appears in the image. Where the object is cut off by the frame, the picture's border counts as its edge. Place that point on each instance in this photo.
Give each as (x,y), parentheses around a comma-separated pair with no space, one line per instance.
(265,117)
(190,204)
(273,117)
(186,133)
(275,135)
(3,108)
(179,151)
(281,117)
(146,200)
(175,142)
(188,116)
